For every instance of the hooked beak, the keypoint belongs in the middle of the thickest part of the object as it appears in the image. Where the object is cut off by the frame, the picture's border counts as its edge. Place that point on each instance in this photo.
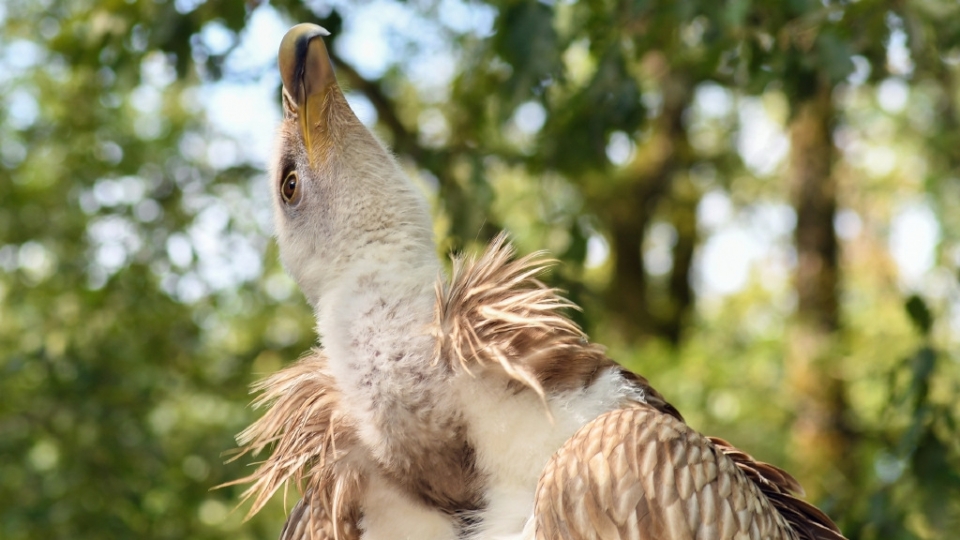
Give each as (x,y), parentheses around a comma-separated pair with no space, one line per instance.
(307,75)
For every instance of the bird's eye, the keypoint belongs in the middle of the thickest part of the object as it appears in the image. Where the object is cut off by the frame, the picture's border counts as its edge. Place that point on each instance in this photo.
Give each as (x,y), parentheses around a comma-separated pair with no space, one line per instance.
(290,188)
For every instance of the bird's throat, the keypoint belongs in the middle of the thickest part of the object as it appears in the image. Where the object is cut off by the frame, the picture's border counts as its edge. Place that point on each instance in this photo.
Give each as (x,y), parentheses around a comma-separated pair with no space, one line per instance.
(377,329)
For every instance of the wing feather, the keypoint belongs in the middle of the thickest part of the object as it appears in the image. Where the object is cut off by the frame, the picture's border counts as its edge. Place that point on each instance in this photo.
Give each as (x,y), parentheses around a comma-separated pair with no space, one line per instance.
(639,473)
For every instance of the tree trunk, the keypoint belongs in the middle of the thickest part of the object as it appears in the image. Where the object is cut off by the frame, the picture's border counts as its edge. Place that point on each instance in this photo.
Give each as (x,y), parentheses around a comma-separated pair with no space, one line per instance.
(820,435)
(684,219)
(628,216)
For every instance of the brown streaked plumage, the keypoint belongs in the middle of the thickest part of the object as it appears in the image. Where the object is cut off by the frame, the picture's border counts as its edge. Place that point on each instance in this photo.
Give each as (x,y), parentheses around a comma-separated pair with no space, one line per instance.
(639,474)
(464,408)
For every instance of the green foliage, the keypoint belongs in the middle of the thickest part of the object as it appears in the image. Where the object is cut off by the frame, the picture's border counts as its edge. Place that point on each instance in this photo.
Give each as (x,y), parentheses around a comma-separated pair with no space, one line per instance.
(919,314)
(140,295)
(124,375)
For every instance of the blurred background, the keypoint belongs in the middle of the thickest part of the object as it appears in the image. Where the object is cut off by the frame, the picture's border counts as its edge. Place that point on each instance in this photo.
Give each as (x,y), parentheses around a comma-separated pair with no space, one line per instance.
(757,204)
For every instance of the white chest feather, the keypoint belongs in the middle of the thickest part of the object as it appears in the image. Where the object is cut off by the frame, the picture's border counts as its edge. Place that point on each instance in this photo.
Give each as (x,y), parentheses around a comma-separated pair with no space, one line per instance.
(514,437)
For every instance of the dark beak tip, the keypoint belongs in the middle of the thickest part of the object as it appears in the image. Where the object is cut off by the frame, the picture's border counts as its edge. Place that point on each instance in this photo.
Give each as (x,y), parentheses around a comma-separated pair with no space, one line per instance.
(294,54)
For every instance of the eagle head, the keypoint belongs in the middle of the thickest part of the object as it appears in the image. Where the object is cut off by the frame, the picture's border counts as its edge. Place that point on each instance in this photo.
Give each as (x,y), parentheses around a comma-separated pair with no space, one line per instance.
(341,200)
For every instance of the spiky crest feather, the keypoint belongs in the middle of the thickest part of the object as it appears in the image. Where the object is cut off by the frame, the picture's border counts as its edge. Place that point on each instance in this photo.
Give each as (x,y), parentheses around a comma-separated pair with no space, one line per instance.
(495,313)
(313,443)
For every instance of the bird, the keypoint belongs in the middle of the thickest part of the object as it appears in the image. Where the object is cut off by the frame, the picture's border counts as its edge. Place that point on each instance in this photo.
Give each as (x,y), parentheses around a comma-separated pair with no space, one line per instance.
(463,406)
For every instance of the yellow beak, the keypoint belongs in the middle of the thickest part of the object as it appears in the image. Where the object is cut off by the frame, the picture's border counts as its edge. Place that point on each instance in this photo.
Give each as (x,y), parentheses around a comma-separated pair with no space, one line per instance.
(307,75)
